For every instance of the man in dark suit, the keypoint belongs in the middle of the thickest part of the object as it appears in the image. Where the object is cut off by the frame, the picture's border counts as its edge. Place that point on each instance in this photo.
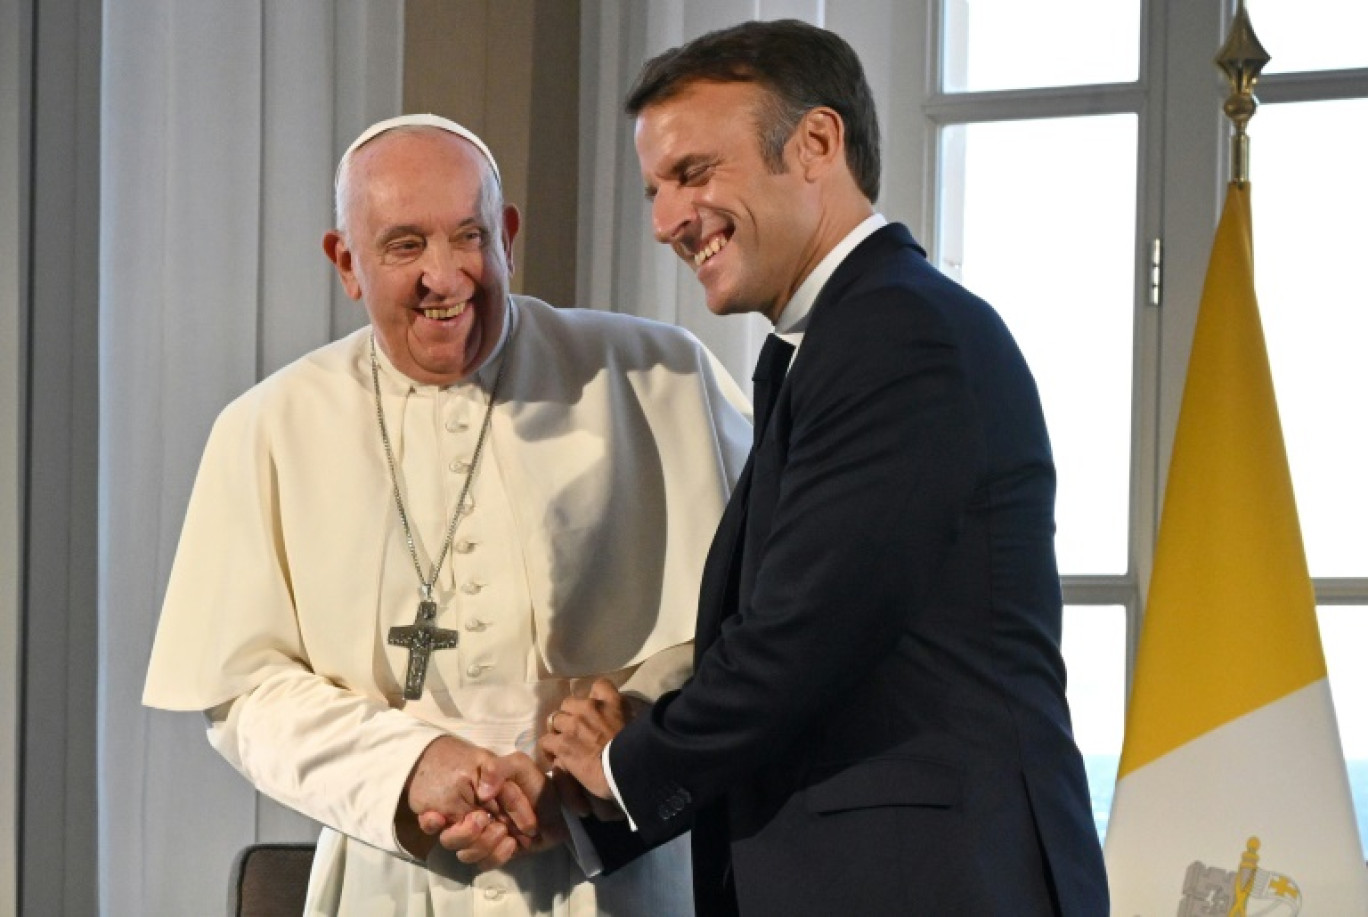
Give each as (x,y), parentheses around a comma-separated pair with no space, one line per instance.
(877,721)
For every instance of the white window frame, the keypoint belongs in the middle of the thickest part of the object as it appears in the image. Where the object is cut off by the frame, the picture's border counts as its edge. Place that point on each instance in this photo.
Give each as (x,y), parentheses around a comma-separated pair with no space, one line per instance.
(1183,167)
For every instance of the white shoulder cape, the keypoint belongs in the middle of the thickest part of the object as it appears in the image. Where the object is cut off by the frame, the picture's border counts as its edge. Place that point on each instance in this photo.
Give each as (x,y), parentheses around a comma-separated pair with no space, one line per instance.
(619,440)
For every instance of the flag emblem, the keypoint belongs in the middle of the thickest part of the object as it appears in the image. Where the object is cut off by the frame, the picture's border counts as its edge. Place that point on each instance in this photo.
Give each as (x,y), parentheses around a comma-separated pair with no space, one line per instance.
(1249,891)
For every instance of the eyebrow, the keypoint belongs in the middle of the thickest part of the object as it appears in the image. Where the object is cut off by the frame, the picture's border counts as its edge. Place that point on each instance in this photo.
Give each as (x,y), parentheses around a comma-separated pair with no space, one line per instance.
(690,162)
(680,167)
(394,232)
(389,234)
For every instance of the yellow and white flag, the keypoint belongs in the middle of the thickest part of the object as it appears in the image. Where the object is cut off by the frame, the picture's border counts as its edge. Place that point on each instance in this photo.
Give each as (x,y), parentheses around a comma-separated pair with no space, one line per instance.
(1232,796)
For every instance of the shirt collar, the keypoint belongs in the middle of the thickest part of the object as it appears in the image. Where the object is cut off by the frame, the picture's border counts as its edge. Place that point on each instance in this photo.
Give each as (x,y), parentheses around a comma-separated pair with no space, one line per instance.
(793,320)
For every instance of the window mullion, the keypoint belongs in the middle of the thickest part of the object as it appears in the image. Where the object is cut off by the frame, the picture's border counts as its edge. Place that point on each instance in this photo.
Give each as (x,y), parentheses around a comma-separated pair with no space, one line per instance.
(1021,104)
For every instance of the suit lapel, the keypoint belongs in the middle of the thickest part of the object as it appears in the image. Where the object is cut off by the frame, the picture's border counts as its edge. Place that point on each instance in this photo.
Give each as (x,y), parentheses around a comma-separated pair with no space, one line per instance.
(717,593)
(729,566)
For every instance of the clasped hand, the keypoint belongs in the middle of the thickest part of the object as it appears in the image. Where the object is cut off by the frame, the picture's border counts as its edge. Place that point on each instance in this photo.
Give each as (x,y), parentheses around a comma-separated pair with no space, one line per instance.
(485,808)
(488,809)
(576,735)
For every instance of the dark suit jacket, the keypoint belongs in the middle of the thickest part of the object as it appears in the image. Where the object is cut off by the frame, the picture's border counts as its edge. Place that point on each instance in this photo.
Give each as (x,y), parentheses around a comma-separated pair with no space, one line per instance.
(877,722)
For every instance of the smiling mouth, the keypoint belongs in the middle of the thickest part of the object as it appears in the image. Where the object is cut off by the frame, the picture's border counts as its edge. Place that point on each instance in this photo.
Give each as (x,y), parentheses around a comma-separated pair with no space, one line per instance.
(706,252)
(440,314)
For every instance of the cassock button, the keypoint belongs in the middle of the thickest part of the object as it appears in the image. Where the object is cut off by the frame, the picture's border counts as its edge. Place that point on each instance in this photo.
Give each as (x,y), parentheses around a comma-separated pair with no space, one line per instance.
(493,894)
(475,670)
(459,466)
(465,546)
(457,426)
(475,625)
(470,587)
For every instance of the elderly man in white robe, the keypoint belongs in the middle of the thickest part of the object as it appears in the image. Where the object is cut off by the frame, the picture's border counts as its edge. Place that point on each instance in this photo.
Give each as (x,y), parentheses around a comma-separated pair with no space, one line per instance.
(405,548)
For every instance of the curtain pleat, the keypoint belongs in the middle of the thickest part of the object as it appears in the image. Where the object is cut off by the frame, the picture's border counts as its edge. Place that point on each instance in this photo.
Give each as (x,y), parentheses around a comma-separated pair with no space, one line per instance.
(221,123)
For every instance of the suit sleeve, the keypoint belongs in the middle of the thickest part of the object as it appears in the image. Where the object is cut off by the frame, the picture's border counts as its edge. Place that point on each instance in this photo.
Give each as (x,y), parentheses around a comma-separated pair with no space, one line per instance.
(881,454)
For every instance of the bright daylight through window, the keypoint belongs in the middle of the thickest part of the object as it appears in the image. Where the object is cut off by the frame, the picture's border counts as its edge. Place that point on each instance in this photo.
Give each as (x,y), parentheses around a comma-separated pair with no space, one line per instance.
(1038,215)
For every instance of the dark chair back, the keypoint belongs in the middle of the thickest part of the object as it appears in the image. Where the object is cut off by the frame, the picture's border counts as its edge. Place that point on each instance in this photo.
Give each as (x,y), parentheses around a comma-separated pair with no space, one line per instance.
(270,880)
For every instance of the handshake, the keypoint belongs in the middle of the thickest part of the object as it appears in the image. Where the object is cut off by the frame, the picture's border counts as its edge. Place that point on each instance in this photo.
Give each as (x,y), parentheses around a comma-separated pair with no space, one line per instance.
(489,808)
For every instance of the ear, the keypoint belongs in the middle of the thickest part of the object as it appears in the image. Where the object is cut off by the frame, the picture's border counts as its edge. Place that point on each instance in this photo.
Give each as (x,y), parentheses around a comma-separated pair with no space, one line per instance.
(512,222)
(335,247)
(820,139)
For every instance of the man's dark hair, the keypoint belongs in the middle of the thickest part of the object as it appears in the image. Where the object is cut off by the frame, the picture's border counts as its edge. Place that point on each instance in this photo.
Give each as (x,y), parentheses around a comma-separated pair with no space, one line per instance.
(800,65)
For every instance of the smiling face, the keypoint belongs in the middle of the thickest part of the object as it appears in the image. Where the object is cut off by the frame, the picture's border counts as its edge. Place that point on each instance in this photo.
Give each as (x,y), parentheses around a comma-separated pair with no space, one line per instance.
(427,248)
(751,235)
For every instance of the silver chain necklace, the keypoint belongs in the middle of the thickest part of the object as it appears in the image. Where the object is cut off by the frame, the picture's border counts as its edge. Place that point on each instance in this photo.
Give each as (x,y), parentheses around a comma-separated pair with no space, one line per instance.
(423,636)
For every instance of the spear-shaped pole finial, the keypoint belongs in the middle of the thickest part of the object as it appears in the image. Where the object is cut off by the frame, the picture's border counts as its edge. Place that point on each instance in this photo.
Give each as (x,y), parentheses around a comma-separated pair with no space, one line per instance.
(1241,58)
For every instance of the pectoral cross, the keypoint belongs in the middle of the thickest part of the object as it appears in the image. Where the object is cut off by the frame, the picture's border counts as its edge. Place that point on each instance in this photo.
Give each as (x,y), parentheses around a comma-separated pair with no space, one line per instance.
(421,639)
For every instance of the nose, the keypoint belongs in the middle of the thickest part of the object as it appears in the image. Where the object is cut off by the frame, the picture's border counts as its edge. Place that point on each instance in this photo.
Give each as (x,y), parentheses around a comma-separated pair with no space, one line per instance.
(672,211)
(445,272)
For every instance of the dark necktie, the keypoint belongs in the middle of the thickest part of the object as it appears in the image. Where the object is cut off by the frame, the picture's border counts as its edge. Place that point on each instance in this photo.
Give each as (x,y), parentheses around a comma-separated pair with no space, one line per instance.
(768,377)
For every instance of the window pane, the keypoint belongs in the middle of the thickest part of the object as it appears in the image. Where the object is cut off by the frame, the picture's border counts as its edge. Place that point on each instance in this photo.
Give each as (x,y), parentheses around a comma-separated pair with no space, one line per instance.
(1038,217)
(1309,242)
(1311,34)
(1094,646)
(1344,634)
(1011,44)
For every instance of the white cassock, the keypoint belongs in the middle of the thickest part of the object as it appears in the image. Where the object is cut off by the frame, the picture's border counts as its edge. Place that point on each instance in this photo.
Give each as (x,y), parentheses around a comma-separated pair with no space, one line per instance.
(612,449)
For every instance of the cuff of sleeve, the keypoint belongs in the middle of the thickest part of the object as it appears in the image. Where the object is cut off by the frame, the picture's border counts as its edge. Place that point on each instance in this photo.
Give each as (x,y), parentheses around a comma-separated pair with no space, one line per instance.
(417,744)
(612,785)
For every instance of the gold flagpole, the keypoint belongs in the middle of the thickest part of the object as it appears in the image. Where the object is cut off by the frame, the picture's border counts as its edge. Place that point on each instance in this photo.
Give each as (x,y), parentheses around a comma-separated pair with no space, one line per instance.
(1241,58)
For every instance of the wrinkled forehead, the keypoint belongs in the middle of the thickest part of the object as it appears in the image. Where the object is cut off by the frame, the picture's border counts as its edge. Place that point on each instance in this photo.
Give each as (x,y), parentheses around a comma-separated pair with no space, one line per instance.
(419,178)
(696,120)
